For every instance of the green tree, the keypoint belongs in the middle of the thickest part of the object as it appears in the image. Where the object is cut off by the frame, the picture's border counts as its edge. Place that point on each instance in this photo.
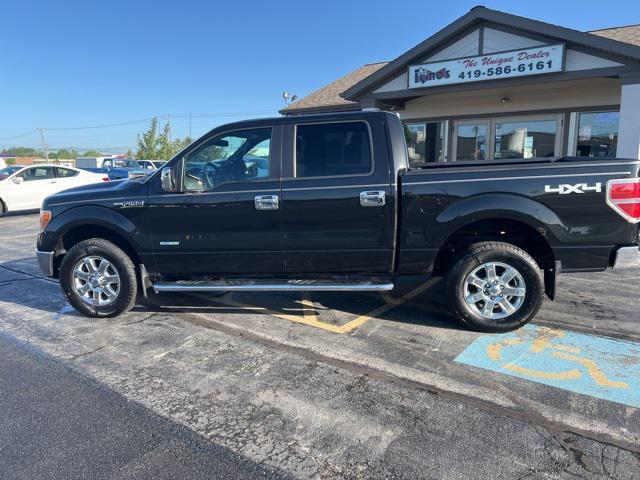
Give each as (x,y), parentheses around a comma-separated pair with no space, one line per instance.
(23,152)
(64,153)
(92,153)
(165,146)
(159,146)
(148,142)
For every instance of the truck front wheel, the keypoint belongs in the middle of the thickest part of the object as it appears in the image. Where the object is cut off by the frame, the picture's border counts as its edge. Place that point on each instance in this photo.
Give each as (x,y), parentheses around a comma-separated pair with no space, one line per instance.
(494,287)
(98,278)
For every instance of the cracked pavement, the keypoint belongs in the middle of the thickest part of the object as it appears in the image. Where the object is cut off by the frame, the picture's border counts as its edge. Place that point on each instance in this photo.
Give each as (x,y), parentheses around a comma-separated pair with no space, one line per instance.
(385,400)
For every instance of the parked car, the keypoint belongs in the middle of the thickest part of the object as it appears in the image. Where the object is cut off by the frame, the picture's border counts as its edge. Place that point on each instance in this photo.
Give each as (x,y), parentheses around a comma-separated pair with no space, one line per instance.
(119,168)
(335,205)
(147,167)
(3,164)
(24,187)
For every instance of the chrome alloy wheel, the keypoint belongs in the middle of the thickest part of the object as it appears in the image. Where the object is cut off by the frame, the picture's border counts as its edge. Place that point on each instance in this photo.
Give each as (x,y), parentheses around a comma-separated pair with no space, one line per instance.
(96,281)
(494,290)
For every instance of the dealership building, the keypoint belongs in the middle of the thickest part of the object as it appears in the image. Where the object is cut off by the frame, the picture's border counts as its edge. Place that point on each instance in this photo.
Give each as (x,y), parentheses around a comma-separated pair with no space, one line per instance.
(492,85)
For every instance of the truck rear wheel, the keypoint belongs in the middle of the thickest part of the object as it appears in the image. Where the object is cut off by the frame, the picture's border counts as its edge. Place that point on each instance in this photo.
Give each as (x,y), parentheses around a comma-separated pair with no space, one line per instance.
(494,287)
(98,279)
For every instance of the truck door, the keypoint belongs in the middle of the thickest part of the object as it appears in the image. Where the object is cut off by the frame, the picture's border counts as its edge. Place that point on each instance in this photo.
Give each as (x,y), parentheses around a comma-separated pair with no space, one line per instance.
(337,208)
(227,218)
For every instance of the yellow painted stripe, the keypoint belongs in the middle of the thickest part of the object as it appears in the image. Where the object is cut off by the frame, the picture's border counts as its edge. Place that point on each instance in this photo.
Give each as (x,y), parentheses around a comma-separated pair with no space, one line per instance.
(310,317)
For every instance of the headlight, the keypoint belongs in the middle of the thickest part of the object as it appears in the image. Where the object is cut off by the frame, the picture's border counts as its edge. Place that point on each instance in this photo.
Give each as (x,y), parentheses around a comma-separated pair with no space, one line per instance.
(45,218)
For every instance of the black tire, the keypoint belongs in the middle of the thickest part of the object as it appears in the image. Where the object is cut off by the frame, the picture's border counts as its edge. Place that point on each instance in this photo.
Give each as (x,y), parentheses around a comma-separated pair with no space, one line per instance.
(120,261)
(479,254)
(3,209)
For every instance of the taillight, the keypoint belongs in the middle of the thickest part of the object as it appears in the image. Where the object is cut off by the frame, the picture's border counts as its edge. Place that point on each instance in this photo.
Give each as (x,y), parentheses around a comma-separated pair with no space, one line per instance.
(105,179)
(624,197)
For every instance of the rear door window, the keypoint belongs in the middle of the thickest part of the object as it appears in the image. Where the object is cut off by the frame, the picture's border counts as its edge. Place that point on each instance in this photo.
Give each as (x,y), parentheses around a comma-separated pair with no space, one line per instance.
(66,172)
(333,149)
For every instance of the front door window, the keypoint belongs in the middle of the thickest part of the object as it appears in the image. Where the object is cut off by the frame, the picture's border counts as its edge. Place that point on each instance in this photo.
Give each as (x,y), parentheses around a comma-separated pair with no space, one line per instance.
(234,157)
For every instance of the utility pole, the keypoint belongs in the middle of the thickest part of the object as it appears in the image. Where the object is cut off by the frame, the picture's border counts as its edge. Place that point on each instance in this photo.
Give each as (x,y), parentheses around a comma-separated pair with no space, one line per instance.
(44,145)
(169,123)
(190,137)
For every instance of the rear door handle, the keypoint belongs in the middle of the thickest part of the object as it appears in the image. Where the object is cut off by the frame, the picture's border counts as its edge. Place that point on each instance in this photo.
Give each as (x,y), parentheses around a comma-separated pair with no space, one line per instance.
(372,198)
(266,202)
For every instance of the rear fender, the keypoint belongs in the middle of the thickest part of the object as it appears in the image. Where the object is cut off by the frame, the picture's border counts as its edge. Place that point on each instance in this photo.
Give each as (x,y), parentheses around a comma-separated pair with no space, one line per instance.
(501,206)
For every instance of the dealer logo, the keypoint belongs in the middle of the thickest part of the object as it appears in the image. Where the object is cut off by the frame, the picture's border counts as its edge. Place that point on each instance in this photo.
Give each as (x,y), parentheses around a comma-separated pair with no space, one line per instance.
(422,75)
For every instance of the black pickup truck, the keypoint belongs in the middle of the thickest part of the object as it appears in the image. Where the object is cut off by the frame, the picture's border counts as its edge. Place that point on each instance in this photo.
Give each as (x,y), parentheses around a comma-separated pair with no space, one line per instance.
(329,202)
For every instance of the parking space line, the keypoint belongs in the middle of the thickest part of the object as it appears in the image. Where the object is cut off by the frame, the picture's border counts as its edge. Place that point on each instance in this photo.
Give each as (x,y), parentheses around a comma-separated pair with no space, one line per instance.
(309,316)
(309,320)
(8,221)
(19,236)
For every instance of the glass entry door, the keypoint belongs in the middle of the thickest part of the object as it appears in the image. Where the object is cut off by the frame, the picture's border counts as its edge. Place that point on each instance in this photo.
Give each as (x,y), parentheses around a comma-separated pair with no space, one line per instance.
(471,140)
(534,136)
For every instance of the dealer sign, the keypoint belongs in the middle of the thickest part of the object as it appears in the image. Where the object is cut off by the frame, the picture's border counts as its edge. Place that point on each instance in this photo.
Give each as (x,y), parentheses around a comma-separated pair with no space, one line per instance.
(514,63)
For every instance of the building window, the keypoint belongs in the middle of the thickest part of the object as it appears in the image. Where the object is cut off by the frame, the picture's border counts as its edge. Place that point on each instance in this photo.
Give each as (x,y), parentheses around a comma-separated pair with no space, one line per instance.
(597,134)
(525,139)
(502,138)
(425,142)
(332,149)
(472,141)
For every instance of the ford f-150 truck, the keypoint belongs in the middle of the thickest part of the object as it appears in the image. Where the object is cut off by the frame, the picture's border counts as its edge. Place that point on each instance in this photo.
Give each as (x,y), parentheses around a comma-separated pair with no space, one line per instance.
(330,202)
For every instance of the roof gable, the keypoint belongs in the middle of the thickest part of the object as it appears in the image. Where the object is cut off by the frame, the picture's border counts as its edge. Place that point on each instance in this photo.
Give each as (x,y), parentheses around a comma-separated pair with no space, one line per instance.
(387,77)
(329,95)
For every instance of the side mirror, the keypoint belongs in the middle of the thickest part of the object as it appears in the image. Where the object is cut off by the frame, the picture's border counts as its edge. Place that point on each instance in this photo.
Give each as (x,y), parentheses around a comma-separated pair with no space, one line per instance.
(168,180)
(18,180)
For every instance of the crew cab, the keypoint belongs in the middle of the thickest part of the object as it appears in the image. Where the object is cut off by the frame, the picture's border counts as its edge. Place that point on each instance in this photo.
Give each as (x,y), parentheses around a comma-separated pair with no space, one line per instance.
(330,202)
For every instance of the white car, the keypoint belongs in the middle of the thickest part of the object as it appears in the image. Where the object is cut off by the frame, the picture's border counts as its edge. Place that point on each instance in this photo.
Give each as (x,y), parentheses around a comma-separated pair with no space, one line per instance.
(24,187)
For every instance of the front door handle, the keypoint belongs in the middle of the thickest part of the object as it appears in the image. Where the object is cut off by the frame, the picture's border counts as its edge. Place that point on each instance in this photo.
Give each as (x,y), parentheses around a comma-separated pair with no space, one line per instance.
(266,202)
(375,198)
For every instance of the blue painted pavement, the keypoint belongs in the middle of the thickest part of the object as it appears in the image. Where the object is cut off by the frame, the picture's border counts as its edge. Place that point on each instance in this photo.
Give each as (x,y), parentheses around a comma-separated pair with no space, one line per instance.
(597,366)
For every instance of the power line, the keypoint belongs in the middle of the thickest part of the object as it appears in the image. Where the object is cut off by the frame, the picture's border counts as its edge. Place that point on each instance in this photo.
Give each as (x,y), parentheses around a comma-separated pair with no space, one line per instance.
(105,126)
(32,132)
(132,122)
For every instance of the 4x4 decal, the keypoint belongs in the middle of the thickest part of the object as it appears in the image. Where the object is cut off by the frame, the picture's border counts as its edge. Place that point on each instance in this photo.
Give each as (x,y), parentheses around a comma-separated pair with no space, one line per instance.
(566,189)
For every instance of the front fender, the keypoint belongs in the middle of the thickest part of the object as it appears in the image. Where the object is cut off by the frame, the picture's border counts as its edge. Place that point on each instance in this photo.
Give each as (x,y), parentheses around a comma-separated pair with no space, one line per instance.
(92,215)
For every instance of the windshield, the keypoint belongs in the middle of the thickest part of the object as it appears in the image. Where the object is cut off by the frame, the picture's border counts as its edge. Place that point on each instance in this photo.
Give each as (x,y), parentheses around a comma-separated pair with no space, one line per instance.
(127,164)
(7,172)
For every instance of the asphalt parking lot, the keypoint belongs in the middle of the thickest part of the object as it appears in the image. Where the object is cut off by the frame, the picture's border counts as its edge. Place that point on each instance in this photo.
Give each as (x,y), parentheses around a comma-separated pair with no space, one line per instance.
(334,385)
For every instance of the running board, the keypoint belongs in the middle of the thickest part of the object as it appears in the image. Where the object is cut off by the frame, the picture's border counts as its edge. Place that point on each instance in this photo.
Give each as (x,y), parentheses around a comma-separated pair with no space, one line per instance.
(278,285)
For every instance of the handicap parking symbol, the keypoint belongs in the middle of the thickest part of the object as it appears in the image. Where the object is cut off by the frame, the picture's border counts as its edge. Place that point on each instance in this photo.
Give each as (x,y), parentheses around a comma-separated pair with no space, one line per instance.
(588,364)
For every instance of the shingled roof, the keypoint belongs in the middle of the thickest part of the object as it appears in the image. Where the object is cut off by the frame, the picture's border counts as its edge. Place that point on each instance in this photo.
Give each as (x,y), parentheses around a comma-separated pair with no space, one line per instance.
(629,34)
(329,97)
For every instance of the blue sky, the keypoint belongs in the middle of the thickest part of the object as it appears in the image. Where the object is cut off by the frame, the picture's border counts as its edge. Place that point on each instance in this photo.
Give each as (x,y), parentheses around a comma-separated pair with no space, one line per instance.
(84,63)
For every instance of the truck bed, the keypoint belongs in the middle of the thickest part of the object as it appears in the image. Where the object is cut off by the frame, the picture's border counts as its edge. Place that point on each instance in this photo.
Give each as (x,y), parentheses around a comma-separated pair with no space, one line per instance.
(561,199)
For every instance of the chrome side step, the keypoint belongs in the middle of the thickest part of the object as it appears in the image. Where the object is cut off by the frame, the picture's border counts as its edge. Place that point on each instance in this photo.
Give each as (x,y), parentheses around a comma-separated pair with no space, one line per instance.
(277,285)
